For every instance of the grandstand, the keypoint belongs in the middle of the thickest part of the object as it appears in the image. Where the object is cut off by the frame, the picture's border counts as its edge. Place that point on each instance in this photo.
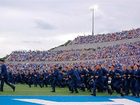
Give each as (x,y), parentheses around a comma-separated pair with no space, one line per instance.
(119,47)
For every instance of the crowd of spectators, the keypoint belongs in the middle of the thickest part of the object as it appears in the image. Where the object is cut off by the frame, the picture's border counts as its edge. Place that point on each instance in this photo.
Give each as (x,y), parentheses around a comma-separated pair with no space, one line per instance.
(106,37)
(127,54)
(116,51)
(25,67)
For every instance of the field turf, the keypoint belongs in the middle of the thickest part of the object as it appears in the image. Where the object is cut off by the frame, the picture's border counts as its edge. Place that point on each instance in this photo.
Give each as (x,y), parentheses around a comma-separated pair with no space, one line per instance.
(25,90)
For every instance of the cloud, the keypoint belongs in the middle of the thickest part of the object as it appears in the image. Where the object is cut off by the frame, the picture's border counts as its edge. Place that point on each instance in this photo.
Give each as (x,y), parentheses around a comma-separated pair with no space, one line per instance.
(31,42)
(43,24)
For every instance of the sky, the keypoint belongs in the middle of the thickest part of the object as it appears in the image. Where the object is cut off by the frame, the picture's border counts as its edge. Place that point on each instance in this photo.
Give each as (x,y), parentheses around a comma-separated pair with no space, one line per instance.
(44,24)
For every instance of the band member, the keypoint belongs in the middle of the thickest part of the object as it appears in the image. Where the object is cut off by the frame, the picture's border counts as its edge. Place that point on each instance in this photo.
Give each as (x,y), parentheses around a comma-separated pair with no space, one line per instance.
(4,76)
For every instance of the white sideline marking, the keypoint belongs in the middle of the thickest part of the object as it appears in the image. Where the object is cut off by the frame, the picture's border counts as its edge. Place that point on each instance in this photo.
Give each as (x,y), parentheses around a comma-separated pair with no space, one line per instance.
(114,102)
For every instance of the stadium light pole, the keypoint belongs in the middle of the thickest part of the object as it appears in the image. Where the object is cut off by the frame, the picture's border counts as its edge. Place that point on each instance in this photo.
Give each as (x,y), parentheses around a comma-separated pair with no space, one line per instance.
(92,9)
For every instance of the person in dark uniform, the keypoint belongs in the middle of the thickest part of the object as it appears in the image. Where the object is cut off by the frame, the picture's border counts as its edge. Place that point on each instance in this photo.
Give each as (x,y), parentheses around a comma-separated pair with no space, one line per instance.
(105,78)
(68,78)
(45,78)
(29,78)
(111,75)
(118,83)
(137,83)
(132,80)
(83,74)
(4,76)
(74,78)
(98,80)
(90,78)
(126,80)
(60,77)
(10,79)
(54,77)
(36,78)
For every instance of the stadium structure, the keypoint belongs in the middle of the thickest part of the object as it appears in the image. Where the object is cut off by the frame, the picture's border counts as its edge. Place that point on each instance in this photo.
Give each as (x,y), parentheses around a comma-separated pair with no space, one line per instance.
(118,47)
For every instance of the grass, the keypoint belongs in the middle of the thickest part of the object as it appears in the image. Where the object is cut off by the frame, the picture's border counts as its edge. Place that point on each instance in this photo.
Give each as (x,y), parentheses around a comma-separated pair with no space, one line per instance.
(25,90)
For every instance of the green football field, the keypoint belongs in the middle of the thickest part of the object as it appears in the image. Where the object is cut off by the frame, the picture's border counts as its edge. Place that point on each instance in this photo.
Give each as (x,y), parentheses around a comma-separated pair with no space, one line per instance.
(25,90)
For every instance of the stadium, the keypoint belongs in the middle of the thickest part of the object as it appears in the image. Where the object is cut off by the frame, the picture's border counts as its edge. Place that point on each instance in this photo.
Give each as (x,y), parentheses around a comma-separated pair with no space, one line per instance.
(91,69)
(84,52)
